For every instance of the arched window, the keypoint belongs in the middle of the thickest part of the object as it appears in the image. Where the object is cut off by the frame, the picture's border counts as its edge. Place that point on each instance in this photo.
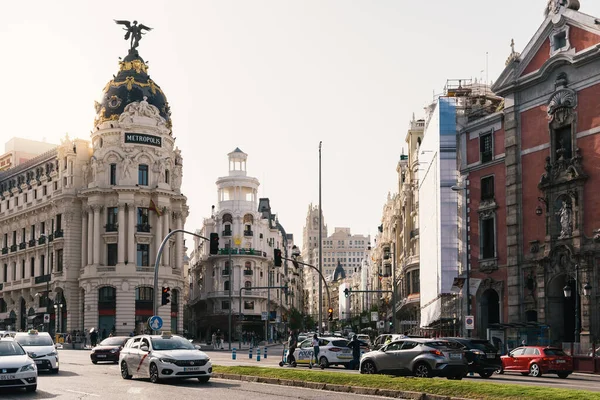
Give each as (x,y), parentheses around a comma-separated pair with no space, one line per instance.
(227,218)
(143,294)
(107,294)
(248,268)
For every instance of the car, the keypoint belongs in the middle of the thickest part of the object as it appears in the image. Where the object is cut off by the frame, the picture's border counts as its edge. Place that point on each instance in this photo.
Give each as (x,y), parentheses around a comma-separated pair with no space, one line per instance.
(483,358)
(538,360)
(332,351)
(109,349)
(364,338)
(41,349)
(163,356)
(17,369)
(4,334)
(381,340)
(423,358)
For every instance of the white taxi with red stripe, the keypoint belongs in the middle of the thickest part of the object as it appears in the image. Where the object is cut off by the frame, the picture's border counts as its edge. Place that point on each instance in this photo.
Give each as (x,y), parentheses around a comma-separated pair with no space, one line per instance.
(163,356)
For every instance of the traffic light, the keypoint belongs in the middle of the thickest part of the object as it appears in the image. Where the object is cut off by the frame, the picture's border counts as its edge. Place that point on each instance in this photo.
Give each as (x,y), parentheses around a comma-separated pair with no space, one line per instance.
(390,321)
(277,255)
(166,293)
(330,314)
(214,243)
(346,292)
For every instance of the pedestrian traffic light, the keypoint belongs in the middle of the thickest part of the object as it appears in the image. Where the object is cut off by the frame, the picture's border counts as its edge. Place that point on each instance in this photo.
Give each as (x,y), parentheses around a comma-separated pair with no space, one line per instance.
(277,256)
(330,314)
(166,293)
(346,292)
(214,243)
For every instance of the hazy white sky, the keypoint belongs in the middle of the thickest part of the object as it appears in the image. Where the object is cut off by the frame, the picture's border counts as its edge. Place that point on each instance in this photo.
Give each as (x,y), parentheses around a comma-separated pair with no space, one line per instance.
(273,77)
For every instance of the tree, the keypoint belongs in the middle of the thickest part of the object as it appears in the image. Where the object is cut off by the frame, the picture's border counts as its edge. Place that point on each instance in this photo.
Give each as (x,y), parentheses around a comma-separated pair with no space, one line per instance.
(295,320)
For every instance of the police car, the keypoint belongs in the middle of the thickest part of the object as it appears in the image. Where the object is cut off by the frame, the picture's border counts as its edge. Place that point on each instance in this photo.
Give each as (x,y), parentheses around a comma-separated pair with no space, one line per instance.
(17,370)
(41,349)
(332,351)
(164,356)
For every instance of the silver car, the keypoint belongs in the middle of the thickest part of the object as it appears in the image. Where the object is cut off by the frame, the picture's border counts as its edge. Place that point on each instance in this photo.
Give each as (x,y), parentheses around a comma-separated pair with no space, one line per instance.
(423,358)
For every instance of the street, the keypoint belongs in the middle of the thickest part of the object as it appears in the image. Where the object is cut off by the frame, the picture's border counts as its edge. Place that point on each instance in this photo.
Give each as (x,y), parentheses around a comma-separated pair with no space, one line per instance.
(80,379)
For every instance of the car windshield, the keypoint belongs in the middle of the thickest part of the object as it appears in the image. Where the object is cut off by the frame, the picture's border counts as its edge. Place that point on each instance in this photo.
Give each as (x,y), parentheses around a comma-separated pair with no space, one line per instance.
(339,343)
(113,341)
(172,343)
(554,352)
(10,348)
(34,340)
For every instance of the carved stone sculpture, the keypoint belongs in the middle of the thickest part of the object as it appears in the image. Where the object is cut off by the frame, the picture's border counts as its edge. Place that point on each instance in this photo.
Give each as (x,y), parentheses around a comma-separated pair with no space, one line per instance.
(566,224)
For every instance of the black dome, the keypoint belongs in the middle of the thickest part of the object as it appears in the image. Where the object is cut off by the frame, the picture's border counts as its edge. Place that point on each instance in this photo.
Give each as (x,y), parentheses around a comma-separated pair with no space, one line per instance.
(131,84)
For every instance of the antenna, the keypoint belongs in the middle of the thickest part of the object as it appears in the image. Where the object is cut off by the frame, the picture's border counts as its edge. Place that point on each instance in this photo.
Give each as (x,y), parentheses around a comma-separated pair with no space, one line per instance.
(487,79)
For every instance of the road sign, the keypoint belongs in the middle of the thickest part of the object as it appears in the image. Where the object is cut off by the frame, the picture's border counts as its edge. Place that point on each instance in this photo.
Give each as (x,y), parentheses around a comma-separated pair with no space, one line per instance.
(263,316)
(469,322)
(46,318)
(155,322)
(374,316)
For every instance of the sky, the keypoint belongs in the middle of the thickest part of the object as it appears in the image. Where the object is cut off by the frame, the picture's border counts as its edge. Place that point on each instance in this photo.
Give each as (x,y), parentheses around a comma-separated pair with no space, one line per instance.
(272,77)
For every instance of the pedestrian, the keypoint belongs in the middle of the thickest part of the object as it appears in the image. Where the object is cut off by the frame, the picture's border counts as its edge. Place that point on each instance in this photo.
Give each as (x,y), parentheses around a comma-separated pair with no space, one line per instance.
(315,345)
(214,340)
(221,340)
(103,334)
(93,337)
(292,344)
(354,344)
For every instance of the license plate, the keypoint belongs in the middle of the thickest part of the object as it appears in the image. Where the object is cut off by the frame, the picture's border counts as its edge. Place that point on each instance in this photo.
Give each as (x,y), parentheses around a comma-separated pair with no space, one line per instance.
(101,355)
(39,362)
(7,377)
(491,355)
(560,361)
(455,356)
(191,369)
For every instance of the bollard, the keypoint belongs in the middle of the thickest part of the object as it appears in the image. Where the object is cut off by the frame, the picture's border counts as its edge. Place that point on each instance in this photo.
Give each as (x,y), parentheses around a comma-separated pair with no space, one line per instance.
(265,357)
(233,355)
(258,354)
(250,353)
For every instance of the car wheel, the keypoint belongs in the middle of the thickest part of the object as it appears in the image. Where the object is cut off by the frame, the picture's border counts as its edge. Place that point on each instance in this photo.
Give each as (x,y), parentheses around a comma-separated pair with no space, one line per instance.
(31,388)
(125,371)
(535,370)
(323,361)
(368,367)
(94,362)
(422,370)
(203,379)
(486,374)
(500,371)
(154,374)
(563,375)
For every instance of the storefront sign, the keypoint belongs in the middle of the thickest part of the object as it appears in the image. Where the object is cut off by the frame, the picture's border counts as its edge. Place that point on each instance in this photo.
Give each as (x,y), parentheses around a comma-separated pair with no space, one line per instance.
(140,138)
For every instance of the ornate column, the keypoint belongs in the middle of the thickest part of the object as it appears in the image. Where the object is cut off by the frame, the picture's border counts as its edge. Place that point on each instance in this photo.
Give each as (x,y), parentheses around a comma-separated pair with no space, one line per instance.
(121,228)
(97,209)
(84,238)
(158,238)
(167,250)
(90,237)
(131,233)
(179,242)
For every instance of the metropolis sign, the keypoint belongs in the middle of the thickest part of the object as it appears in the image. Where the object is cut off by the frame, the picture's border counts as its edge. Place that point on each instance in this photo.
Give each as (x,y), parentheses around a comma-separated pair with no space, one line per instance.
(140,138)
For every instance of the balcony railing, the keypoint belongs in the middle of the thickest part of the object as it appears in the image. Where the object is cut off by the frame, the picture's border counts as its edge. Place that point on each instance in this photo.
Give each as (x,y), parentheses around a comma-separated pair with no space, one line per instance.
(5,250)
(22,246)
(248,272)
(248,233)
(13,248)
(226,233)
(58,234)
(143,228)
(32,243)
(50,237)
(112,227)
(251,252)
(43,278)
(42,240)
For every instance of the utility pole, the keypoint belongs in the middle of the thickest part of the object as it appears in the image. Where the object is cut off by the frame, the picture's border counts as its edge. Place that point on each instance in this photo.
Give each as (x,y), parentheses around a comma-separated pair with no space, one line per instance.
(230,293)
(320,249)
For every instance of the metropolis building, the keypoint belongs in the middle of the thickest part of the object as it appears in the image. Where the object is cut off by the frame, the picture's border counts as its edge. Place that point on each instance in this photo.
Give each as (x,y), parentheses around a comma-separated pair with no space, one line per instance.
(80,224)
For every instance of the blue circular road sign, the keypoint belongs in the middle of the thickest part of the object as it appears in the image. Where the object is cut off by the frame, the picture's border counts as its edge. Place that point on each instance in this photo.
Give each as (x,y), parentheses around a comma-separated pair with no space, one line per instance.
(155,322)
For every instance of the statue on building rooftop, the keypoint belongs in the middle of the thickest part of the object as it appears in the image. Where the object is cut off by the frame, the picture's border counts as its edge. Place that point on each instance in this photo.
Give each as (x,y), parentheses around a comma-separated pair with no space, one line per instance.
(134,32)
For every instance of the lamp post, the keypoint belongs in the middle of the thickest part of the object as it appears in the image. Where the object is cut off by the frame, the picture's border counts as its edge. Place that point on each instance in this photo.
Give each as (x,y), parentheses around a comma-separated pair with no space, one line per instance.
(45,236)
(458,188)
(320,248)
(587,290)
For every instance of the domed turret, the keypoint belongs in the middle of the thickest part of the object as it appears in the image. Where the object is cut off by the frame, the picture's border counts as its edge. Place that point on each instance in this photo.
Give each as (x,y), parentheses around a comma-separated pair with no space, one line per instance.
(131,84)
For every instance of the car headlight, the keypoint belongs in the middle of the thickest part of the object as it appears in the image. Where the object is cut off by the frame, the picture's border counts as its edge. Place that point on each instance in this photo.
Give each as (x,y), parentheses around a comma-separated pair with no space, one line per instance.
(28,367)
(52,354)
(478,352)
(167,360)
(114,350)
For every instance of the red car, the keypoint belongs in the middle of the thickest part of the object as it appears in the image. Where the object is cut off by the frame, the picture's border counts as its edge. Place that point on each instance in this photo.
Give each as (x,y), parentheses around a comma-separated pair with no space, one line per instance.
(109,349)
(538,360)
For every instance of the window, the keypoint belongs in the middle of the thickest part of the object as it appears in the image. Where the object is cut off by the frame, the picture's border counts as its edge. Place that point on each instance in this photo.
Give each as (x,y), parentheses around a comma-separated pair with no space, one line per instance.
(113,174)
(45,190)
(25,198)
(143,219)
(248,286)
(43,228)
(488,238)
(17,201)
(32,267)
(487,188)
(106,294)
(248,305)
(58,222)
(6,240)
(22,268)
(22,235)
(32,232)
(166,176)
(226,286)
(111,219)
(5,277)
(225,305)
(143,255)
(35,193)
(143,175)
(42,264)
(59,260)
(143,294)
(111,254)
(560,41)
(226,269)
(486,148)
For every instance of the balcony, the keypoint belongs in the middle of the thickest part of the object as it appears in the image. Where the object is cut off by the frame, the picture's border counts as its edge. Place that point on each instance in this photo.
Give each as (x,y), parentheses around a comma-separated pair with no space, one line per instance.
(13,248)
(113,227)
(5,250)
(32,243)
(50,237)
(248,233)
(43,279)
(226,233)
(58,234)
(42,240)
(22,246)
(225,272)
(143,228)
(248,272)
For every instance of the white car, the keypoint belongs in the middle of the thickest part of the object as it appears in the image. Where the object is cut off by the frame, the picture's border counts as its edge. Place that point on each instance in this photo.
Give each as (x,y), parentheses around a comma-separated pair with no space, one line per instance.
(41,349)
(163,356)
(17,369)
(332,351)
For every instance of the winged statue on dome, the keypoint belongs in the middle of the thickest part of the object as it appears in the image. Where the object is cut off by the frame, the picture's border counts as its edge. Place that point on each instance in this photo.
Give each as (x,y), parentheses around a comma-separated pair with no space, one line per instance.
(134,32)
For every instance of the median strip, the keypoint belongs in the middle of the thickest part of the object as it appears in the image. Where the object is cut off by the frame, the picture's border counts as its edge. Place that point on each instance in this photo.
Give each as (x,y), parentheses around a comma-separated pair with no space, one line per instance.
(397,387)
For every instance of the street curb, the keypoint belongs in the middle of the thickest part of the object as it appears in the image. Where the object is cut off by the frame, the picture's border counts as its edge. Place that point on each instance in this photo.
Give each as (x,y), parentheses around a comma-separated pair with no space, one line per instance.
(337,388)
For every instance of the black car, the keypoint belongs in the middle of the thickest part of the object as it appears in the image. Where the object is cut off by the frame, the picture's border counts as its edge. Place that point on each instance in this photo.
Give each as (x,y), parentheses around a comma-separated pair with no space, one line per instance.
(482,356)
(109,349)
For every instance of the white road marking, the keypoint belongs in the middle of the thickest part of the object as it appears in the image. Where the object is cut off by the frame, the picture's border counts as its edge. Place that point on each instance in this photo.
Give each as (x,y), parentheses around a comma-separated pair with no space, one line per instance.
(135,390)
(84,393)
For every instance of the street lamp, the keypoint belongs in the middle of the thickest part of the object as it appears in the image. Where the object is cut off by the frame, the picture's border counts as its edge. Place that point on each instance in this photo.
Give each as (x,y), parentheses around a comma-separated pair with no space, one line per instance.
(320,247)
(47,262)
(587,291)
(458,188)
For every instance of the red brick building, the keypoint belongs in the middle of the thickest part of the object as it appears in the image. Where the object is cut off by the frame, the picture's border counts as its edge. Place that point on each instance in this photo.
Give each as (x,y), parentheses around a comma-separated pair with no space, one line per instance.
(532,169)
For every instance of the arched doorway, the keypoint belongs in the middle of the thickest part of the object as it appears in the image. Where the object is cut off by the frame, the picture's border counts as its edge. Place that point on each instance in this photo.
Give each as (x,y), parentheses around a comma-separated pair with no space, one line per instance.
(22,315)
(560,310)
(107,310)
(143,307)
(490,310)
